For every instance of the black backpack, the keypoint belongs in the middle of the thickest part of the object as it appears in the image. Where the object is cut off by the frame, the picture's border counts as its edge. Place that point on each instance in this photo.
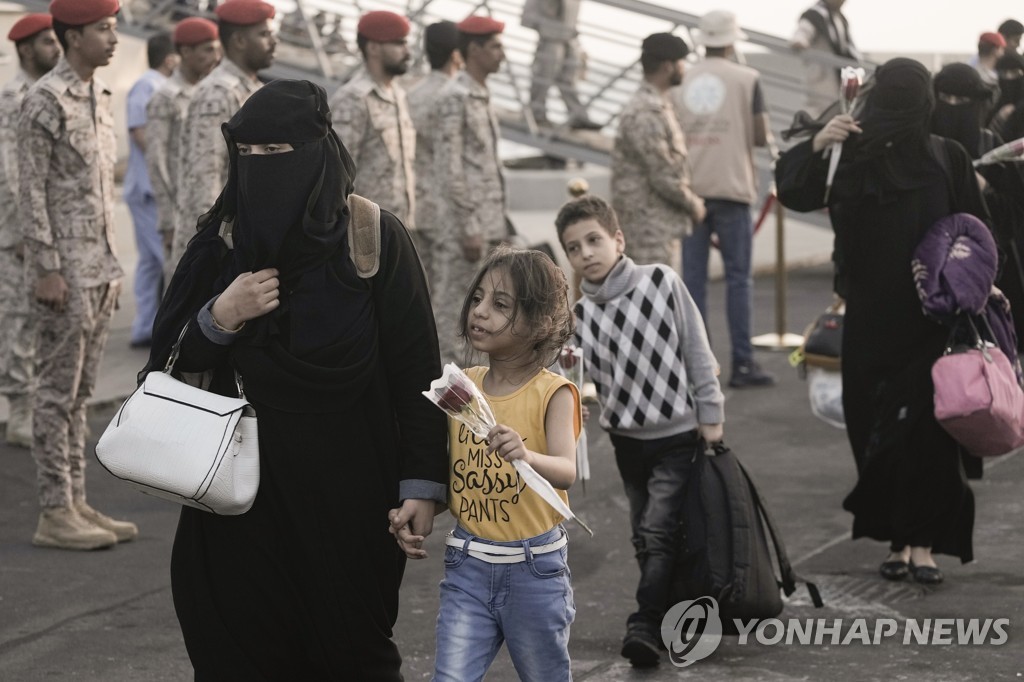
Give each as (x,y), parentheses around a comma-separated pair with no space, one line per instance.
(723,548)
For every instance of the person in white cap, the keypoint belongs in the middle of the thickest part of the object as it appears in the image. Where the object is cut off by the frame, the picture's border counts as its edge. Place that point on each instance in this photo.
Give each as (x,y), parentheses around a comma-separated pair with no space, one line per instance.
(722,112)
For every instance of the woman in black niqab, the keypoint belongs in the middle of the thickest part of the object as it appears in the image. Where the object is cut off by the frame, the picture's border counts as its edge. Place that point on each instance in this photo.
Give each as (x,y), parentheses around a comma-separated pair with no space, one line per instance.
(962,102)
(893,182)
(305,584)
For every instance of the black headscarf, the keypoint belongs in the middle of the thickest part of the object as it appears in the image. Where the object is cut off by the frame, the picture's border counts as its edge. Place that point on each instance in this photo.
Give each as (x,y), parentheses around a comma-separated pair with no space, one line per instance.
(894,151)
(961,122)
(288,211)
(1011,90)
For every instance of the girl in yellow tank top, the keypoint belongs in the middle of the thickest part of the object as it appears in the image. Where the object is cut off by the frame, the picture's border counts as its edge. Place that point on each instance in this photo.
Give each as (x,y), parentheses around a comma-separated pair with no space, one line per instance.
(506,577)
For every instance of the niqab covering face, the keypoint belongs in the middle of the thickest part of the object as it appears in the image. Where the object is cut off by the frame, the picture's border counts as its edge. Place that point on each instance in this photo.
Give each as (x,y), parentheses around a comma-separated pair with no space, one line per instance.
(893,153)
(961,122)
(1010,68)
(290,212)
(290,206)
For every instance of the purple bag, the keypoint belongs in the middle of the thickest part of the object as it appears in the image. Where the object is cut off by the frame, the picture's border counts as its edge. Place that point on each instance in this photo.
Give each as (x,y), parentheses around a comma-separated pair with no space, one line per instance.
(978,400)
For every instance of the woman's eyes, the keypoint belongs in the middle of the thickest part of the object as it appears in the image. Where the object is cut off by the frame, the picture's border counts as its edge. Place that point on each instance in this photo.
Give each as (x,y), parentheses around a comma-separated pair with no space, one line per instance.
(244,150)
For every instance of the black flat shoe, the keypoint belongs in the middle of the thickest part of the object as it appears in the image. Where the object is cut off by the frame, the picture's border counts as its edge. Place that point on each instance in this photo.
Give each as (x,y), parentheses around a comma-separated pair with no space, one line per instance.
(926,575)
(894,570)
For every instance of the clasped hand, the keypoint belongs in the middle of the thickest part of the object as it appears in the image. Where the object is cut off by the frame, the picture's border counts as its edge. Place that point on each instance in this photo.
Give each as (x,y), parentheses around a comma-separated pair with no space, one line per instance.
(838,129)
(251,295)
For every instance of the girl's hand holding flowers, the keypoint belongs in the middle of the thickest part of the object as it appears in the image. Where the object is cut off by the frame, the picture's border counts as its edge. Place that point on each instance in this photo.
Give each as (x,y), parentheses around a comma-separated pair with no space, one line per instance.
(507,444)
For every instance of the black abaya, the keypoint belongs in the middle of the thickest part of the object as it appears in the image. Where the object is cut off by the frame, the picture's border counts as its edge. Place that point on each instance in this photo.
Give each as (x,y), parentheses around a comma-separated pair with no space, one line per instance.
(911,488)
(305,584)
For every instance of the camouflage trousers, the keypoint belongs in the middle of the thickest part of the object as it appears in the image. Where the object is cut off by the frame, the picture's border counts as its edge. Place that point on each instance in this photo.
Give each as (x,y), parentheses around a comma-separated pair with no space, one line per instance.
(424,241)
(452,276)
(556,63)
(17,332)
(68,353)
(664,250)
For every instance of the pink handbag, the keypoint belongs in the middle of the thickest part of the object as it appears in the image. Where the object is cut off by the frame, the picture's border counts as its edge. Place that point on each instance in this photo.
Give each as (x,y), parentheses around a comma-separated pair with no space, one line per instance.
(978,400)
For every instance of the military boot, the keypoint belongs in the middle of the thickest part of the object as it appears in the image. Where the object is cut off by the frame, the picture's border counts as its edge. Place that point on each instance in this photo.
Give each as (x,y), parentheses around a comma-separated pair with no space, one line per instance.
(19,421)
(123,530)
(64,528)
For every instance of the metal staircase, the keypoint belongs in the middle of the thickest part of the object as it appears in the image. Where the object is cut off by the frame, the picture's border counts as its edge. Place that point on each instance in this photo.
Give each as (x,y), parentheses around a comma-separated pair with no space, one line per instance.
(317,42)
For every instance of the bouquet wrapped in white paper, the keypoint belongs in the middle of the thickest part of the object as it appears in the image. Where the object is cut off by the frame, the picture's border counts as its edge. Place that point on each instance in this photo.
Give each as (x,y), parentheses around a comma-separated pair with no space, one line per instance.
(459,397)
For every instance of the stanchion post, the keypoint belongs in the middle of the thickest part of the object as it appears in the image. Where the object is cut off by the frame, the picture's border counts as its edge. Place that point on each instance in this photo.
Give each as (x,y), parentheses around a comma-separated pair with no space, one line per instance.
(780,339)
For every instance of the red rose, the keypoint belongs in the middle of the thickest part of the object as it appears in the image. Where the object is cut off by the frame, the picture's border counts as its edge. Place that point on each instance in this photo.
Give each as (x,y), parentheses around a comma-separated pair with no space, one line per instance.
(455,397)
(851,89)
(567,359)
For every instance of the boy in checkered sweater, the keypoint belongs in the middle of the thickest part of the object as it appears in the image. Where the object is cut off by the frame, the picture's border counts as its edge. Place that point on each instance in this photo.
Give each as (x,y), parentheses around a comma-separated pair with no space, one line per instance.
(647,352)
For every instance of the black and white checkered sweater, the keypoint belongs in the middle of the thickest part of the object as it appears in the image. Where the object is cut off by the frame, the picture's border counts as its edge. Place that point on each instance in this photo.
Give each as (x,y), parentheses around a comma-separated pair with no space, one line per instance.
(646,350)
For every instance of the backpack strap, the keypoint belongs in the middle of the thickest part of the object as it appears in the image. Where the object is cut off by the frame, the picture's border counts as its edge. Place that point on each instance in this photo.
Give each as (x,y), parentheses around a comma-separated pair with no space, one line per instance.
(789,578)
(364,235)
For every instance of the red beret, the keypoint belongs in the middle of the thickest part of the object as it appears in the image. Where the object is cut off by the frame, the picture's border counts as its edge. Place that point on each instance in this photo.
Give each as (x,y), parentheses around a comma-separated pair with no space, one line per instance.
(480,26)
(195,30)
(29,25)
(993,39)
(82,12)
(382,26)
(244,12)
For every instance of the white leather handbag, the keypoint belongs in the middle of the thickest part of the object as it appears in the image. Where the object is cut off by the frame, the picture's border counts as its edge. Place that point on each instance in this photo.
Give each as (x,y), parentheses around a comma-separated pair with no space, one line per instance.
(181,443)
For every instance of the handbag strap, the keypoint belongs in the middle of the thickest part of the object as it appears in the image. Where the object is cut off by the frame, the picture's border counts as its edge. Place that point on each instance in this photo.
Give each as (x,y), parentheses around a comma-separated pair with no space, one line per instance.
(175,349)
(173,357)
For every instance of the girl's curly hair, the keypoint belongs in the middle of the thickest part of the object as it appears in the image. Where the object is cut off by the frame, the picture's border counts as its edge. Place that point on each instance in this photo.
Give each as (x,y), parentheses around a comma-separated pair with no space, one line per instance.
(541,300)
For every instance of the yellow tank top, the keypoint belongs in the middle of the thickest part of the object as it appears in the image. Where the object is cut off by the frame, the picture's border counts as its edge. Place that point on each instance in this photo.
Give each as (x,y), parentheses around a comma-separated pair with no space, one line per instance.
(485,494)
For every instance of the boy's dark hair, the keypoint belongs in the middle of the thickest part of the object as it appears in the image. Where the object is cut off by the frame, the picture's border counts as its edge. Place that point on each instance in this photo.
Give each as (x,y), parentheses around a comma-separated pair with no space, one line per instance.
(60,29)
(541,300)
(361,41)
(467,39)
(584,208)
(158,48)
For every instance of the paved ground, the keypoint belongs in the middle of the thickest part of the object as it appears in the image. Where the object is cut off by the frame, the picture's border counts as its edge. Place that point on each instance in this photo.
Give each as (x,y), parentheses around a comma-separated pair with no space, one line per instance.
(108,616)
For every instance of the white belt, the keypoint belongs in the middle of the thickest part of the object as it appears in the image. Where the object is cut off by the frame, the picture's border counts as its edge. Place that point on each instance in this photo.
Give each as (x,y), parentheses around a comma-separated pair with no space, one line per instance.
(501,554)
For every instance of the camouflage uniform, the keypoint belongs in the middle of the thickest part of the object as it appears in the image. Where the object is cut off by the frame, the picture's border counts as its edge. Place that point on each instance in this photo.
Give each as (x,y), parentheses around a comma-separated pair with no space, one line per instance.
(651,178)
(557,59)
(203,168)
(423,108)
(17,336)
(467,166)
(375,127)
(66,154)
(165,114)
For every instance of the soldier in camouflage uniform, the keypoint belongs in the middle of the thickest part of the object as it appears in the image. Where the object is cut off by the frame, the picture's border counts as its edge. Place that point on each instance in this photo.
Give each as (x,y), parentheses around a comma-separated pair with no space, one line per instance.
(371,116)
(38,52)
(650,172)
(248,41)
(66,155)
(441,44)
(472,218)
(198,44)
(557,60)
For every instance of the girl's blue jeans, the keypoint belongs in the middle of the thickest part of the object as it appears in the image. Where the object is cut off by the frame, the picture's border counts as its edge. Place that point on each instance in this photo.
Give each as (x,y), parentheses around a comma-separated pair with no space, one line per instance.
(528,605)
